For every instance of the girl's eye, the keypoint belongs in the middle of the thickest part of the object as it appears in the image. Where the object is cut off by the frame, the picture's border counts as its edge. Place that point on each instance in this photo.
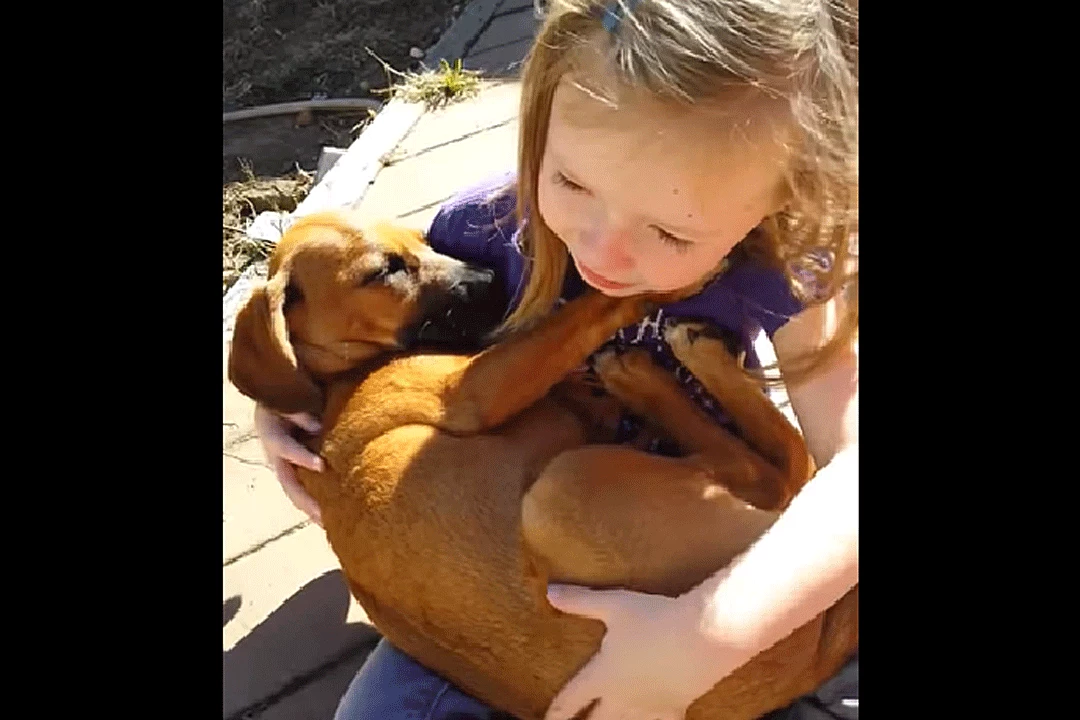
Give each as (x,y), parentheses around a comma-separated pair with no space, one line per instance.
(667,238)
(678,244)
(567,182)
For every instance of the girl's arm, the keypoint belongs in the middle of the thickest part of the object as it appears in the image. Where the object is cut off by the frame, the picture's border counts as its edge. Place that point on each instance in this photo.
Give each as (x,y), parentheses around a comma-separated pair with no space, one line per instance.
(660,654)
(810,557)
(826,404)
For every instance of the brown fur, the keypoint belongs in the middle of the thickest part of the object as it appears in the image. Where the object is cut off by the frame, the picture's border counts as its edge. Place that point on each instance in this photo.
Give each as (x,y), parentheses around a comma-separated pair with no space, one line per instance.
(457,486)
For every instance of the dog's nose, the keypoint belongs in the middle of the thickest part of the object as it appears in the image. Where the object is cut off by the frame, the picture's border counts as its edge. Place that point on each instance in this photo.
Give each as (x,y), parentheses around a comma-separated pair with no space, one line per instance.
(473,284)
(461,312)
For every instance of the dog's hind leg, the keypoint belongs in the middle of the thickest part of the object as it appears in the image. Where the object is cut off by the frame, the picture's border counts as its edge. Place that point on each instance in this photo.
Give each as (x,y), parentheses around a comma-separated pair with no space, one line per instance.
(610,516)
(652,393)
(760,422)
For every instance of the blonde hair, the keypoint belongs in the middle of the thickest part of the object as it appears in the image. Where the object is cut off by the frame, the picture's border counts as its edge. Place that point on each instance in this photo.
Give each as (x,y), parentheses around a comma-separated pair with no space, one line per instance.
(804,52)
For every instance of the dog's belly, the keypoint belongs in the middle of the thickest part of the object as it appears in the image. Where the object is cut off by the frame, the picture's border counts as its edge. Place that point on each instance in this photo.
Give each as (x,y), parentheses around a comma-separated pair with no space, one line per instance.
(428,531)
(427,528)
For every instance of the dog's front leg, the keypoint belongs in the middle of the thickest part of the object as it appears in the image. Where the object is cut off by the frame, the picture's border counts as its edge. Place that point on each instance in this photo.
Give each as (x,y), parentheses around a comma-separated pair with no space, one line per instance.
(514,374)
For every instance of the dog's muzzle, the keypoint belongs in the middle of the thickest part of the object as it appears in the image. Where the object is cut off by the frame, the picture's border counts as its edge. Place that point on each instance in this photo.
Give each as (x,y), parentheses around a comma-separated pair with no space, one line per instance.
(458,316)
(473,285)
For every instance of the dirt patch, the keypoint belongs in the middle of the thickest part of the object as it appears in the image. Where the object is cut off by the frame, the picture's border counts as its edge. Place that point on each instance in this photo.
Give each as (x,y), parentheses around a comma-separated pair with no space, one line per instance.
(280,50)
(276,51)
(278,145)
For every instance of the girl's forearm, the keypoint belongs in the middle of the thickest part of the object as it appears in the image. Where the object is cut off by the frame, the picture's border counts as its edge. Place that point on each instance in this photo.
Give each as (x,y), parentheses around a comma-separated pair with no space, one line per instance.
(800,567)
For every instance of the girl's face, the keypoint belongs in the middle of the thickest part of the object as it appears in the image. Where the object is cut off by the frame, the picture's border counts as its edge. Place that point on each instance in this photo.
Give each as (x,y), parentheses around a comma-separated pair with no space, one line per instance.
(648,198)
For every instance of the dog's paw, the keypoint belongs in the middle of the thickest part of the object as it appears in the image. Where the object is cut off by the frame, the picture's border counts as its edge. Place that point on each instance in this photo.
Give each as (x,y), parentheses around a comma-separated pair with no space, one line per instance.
(632,378)
(681,336)
(622,371)
(693,342)
(603,359)
(688,341)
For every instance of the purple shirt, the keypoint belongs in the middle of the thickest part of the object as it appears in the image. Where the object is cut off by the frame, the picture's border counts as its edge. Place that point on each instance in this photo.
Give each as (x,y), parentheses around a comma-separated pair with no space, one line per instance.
(479,226)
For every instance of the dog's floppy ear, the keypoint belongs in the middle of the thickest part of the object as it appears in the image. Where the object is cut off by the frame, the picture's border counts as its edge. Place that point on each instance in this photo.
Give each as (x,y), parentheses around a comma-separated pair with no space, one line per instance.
(262,364)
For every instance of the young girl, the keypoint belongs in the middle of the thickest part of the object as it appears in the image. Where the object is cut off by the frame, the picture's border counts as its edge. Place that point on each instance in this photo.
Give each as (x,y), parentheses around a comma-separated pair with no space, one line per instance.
(662,142)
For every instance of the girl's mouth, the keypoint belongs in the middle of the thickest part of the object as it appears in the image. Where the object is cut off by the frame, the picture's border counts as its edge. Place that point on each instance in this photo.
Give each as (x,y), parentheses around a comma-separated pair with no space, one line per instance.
(599,281)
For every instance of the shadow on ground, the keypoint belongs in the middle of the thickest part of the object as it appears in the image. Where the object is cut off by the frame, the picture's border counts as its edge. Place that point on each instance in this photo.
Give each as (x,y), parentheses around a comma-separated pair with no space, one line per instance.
(288,651)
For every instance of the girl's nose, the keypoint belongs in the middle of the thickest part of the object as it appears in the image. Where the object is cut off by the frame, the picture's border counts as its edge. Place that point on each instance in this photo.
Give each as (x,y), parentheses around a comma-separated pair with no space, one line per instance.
(607,246)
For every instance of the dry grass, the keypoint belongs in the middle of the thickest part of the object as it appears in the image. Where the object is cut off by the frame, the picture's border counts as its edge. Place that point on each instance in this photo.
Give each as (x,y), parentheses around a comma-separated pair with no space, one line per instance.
(241,202)
(434,88)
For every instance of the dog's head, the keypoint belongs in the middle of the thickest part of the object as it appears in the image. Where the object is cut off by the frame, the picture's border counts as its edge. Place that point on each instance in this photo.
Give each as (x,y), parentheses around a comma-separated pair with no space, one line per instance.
(339,293)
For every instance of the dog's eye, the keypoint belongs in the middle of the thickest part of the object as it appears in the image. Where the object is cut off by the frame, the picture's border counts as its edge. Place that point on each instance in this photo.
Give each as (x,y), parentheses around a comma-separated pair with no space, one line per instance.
(393,265)
(371,277)
(292,295)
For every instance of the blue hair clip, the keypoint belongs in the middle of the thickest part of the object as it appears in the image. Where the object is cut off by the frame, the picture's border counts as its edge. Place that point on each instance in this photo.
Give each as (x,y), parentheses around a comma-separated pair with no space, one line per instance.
(613,13)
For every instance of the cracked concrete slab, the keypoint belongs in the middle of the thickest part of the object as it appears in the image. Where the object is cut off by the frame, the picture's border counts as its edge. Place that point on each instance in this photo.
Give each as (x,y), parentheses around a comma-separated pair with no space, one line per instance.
(292,613)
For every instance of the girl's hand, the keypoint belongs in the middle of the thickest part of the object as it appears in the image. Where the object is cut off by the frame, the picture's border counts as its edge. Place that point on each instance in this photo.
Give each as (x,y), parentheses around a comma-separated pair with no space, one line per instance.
(281,450)
(660,654)
(654,661)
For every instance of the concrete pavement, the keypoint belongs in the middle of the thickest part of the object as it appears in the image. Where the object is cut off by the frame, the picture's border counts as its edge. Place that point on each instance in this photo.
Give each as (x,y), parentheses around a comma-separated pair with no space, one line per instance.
(292,636)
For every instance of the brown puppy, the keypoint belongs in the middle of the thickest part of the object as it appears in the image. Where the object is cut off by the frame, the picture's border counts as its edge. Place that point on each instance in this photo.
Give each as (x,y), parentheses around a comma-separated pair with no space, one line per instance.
(457,485)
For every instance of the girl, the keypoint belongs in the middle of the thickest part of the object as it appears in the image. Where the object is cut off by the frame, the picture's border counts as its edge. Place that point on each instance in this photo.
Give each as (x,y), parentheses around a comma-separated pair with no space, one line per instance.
(664,141)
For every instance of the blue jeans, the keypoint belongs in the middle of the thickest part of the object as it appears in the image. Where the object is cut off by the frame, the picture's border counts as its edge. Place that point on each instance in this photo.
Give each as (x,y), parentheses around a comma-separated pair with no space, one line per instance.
(393,686)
